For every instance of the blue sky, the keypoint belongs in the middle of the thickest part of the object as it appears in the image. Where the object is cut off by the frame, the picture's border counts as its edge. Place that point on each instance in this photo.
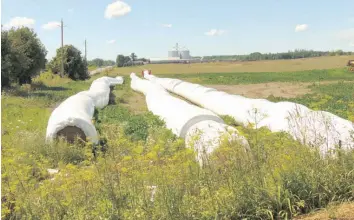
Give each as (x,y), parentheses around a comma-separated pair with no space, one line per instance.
(205,27)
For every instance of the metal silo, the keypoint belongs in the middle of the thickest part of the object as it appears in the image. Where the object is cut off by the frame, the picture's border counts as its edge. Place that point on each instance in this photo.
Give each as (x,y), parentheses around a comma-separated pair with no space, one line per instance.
(173,53)
(185,54)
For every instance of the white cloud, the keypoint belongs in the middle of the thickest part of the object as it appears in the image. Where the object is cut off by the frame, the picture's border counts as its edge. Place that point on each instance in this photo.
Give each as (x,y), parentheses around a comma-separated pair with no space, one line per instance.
(20,22)
(117,9)
(51,25)
(301,27)
(167,25)
(111,41)
(347,34)
(71,10)
(215,32)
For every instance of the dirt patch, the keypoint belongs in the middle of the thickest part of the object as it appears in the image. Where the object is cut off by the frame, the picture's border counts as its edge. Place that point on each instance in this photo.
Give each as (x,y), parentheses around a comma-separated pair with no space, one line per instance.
(263,90)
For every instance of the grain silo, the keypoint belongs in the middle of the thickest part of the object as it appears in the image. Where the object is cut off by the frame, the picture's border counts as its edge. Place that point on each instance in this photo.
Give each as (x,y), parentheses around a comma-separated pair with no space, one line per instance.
(185,54)
(173,53)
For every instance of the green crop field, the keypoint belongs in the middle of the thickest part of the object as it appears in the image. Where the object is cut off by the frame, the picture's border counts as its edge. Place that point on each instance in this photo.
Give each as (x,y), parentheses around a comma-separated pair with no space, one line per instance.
(277,179)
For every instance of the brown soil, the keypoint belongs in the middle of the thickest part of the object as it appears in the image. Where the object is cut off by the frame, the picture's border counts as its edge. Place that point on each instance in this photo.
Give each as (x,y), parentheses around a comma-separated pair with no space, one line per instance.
(263,90)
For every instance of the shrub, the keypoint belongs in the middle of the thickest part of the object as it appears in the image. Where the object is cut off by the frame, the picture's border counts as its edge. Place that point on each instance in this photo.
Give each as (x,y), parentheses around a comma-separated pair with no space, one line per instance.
(74,65)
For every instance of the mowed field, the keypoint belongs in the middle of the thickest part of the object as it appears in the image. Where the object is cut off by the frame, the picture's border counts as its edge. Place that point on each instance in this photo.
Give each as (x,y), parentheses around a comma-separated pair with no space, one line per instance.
(248,66)
(278,179)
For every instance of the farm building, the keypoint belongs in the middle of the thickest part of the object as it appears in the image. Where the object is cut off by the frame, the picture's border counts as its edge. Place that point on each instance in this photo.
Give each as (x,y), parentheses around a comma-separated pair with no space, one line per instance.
(176,55)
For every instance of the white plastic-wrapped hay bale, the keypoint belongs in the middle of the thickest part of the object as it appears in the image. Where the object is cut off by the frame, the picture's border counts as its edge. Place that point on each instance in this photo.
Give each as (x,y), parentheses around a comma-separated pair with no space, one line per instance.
(316,128)
(100,90)
(73,117)
(201,128)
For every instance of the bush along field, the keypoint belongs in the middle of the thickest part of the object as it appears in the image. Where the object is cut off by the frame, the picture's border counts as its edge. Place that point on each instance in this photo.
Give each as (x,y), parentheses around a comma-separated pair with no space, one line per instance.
(142,171)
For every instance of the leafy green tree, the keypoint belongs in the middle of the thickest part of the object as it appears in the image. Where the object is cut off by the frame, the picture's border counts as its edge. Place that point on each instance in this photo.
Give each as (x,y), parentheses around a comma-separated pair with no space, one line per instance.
(100,62)
(74,66)
(127,61)
(23,56)
(133,56)
(120,60)
(97,62)
(6,65)
(108,63)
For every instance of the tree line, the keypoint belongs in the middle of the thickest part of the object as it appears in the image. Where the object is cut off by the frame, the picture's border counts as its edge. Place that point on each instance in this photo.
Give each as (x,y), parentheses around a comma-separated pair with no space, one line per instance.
(23,56)
(131,60)
(101,62)
(296,54)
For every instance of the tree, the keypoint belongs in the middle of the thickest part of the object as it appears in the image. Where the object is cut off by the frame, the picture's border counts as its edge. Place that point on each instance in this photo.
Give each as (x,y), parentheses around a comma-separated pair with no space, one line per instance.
(133,56)
(120,60)
(100,62)
(74,66)
(23,56)
(109,63)
(97,62)
(127,61)
(6,65)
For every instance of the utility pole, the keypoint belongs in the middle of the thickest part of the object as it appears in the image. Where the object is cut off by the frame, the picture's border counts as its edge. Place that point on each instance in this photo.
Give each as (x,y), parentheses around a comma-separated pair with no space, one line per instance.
(86,65)
(62,48)
(85,51)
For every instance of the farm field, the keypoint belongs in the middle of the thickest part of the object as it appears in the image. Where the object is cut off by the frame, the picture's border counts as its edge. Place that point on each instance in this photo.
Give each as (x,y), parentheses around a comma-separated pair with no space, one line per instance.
(280,179)
(316,63)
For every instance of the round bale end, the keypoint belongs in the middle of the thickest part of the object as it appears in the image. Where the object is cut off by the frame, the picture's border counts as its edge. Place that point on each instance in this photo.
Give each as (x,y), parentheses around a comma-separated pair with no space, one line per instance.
(71,133)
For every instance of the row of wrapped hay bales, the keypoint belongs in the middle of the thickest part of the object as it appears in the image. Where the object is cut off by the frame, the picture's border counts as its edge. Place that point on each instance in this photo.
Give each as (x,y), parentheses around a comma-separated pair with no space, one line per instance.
(73,117)
(202,129)
(315,128)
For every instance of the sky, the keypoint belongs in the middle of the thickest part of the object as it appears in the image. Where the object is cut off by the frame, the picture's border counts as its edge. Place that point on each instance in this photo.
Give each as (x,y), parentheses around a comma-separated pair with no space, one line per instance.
(205,27)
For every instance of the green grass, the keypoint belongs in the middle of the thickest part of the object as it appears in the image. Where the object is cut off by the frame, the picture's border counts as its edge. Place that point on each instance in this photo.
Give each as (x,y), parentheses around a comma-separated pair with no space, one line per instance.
(277,179)
(90,68)
(264,77)
(337,98)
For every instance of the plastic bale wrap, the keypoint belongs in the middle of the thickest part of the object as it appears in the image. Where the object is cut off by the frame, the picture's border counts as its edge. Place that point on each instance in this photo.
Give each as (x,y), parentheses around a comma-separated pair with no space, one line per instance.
(202,129)
(76,112)
(101,88)
(316,128)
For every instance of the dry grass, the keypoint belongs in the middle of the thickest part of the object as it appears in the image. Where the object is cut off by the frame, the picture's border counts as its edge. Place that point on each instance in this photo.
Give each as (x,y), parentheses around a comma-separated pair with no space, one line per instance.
(264,90)
(343,211)
(252,66)
(136,103)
